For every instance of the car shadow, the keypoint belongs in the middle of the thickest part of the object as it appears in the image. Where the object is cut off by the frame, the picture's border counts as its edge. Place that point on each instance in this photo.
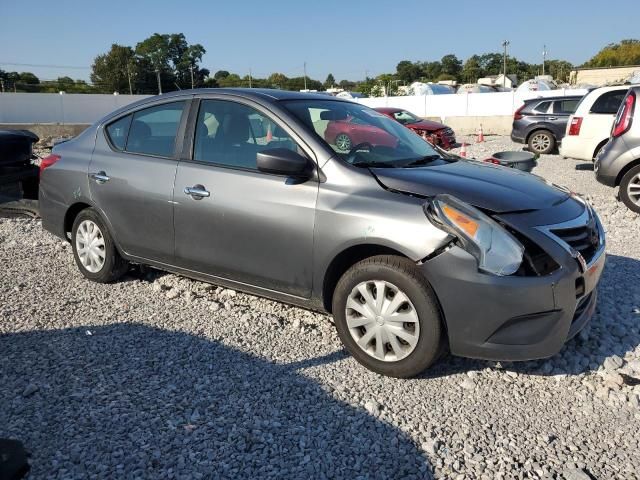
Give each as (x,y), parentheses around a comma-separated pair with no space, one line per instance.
(613,330)
(132,401)
(588,167)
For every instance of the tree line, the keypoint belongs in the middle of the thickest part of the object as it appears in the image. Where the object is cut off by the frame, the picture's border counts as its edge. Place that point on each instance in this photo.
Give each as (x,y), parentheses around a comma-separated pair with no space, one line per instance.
(166,62)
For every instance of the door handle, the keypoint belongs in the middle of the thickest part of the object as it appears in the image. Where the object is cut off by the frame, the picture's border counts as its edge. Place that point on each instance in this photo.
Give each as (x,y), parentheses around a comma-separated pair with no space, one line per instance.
(197,192)
(100,177)
(553,118)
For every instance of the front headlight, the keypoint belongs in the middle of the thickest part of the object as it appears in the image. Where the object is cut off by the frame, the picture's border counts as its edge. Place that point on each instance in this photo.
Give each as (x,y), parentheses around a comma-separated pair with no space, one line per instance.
(496,250)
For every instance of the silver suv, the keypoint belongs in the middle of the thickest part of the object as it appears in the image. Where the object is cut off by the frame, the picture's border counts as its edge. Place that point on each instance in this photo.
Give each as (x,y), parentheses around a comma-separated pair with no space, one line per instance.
(412,250)
(618,162)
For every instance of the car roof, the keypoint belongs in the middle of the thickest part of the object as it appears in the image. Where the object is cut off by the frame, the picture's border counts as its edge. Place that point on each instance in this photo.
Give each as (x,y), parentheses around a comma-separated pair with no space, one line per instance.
(267,95)
(560,97)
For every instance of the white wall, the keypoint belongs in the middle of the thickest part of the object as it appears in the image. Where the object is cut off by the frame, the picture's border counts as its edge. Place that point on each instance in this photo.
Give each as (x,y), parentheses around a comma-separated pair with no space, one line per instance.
(464,105)
(55,108)
(34,108)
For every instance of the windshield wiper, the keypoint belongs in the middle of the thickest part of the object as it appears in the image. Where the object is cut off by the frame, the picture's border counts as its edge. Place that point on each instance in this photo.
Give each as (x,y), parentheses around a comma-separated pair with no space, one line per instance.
(422,161)
(368,164)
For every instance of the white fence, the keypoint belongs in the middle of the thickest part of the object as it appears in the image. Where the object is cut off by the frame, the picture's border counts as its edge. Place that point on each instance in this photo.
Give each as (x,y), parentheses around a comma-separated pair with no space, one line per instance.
(35,108)
(464,105)
(56,108)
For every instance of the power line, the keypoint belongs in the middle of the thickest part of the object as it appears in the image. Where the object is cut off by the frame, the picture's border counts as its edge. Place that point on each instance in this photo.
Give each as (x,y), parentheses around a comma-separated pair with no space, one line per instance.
(44,66)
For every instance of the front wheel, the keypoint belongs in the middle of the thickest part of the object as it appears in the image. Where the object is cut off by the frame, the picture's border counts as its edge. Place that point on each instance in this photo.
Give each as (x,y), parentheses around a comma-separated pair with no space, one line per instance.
(387,316)
(94,250)
(630,189)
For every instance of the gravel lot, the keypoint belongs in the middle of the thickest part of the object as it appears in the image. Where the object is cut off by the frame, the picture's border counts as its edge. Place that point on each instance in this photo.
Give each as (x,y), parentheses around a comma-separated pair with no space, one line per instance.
(164,377)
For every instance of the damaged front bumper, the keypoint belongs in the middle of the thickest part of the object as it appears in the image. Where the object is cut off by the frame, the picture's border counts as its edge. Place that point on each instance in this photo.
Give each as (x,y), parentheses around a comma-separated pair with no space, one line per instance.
(514,317)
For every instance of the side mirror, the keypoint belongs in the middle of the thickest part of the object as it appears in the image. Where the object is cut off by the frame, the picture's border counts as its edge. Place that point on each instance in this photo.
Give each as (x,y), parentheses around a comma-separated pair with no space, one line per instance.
(282,161)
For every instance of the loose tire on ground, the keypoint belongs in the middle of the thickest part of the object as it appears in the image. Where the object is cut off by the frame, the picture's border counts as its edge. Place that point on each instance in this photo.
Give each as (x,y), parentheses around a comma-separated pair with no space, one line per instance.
(389,272)
(105,266)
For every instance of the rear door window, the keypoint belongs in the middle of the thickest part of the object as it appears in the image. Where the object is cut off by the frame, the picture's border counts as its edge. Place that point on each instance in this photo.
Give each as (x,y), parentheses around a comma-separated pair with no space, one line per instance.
(566,107)
(609,102)
(153,130)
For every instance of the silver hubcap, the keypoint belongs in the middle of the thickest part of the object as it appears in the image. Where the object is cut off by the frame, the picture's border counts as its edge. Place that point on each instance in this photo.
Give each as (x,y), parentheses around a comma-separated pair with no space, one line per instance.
(382,320)
(633,189)
(343,142)
(90,246)
(540,142)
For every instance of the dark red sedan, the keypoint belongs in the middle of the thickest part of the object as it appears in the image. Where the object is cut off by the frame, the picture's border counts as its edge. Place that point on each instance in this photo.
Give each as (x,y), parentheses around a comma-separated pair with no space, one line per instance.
(350,132)
(434,132)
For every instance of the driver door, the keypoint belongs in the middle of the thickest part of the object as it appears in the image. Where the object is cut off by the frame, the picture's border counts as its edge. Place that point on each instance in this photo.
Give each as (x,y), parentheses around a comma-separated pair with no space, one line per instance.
(249,226)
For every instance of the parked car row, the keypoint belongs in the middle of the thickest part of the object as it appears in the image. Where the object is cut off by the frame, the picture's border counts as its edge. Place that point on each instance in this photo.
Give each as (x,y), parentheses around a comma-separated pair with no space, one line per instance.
(256,190)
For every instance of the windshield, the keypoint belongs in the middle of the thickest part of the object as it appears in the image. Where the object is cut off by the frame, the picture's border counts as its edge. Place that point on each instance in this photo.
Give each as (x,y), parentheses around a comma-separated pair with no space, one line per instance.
(405,117)
(361,136)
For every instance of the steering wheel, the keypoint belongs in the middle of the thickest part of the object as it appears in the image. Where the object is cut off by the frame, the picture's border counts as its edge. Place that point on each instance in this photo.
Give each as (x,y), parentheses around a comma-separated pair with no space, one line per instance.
(357,147)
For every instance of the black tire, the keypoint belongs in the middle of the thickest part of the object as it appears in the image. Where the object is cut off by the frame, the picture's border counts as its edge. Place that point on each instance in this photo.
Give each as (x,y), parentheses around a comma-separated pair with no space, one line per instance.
(114,265)
(632,177)
(347,142)
(402,273)
(542,142)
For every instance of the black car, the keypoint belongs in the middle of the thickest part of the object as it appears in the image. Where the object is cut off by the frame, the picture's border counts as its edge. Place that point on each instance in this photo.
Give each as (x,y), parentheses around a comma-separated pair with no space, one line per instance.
(541,122)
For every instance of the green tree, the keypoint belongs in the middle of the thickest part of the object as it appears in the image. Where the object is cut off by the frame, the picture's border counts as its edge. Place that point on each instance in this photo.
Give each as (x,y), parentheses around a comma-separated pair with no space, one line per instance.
(111,71)
(627,52)
(330,81)
(451,66)
(221,74)
(431,70)
(471,70)
(408,71)
(277,80)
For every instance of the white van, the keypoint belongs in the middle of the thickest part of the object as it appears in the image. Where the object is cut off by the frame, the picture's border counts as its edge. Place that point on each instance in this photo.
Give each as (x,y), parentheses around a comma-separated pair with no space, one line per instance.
(589,127)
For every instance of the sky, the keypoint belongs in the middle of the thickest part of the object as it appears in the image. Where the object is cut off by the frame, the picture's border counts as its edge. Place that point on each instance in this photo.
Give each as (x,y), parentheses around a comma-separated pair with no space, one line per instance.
(346,38)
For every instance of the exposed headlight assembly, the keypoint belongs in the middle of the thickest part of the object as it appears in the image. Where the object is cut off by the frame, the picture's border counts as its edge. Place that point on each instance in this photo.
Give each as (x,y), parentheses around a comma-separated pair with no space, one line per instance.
(497,251)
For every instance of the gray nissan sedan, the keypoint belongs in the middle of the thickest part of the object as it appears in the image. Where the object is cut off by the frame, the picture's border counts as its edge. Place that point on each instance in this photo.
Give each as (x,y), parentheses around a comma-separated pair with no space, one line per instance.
(410,249)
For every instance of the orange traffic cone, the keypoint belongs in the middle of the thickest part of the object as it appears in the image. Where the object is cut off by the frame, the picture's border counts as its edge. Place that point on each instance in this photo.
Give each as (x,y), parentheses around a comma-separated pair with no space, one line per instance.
(480,136)
(463,150)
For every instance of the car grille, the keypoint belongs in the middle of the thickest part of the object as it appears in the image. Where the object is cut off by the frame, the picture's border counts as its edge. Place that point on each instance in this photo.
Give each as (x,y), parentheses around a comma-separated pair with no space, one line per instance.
(584,239)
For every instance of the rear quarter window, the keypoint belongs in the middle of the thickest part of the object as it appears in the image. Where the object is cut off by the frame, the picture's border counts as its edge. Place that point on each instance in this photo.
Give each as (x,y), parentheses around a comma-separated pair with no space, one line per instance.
(542,107)
(608,102)
(118,131)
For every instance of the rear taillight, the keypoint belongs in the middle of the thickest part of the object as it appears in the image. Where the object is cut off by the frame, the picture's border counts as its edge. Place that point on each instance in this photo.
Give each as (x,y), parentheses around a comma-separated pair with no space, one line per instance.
(518,114)
(574,126)
(625,116)
(49,160)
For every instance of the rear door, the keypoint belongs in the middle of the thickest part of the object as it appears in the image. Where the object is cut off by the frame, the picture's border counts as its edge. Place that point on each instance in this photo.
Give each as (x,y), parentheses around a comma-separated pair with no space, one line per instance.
(131,177)
(247,226)
(562,110)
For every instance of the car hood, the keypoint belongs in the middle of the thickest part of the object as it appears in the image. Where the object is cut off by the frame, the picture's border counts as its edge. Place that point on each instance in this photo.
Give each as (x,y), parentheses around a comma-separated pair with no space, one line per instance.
(427,125)
(486,186)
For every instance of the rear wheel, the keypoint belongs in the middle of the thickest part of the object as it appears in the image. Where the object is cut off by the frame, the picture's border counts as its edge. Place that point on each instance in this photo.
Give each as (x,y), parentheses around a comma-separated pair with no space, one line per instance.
(542,142)
(94,250)
(387,316)
(630,189)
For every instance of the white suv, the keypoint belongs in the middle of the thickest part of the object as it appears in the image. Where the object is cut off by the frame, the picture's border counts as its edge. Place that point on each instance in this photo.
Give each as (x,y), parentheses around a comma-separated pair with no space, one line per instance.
(589,127)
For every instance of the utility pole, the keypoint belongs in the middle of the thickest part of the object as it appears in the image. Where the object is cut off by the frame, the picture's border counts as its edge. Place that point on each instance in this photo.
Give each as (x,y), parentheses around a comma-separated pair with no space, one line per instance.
(544,57)
(305,75)
(129,77)
(191,68)
(159,84)
(2,84)
(505,44)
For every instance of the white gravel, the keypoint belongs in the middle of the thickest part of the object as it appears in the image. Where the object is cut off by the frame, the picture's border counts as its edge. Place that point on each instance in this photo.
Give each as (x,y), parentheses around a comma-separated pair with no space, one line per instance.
(164,377)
